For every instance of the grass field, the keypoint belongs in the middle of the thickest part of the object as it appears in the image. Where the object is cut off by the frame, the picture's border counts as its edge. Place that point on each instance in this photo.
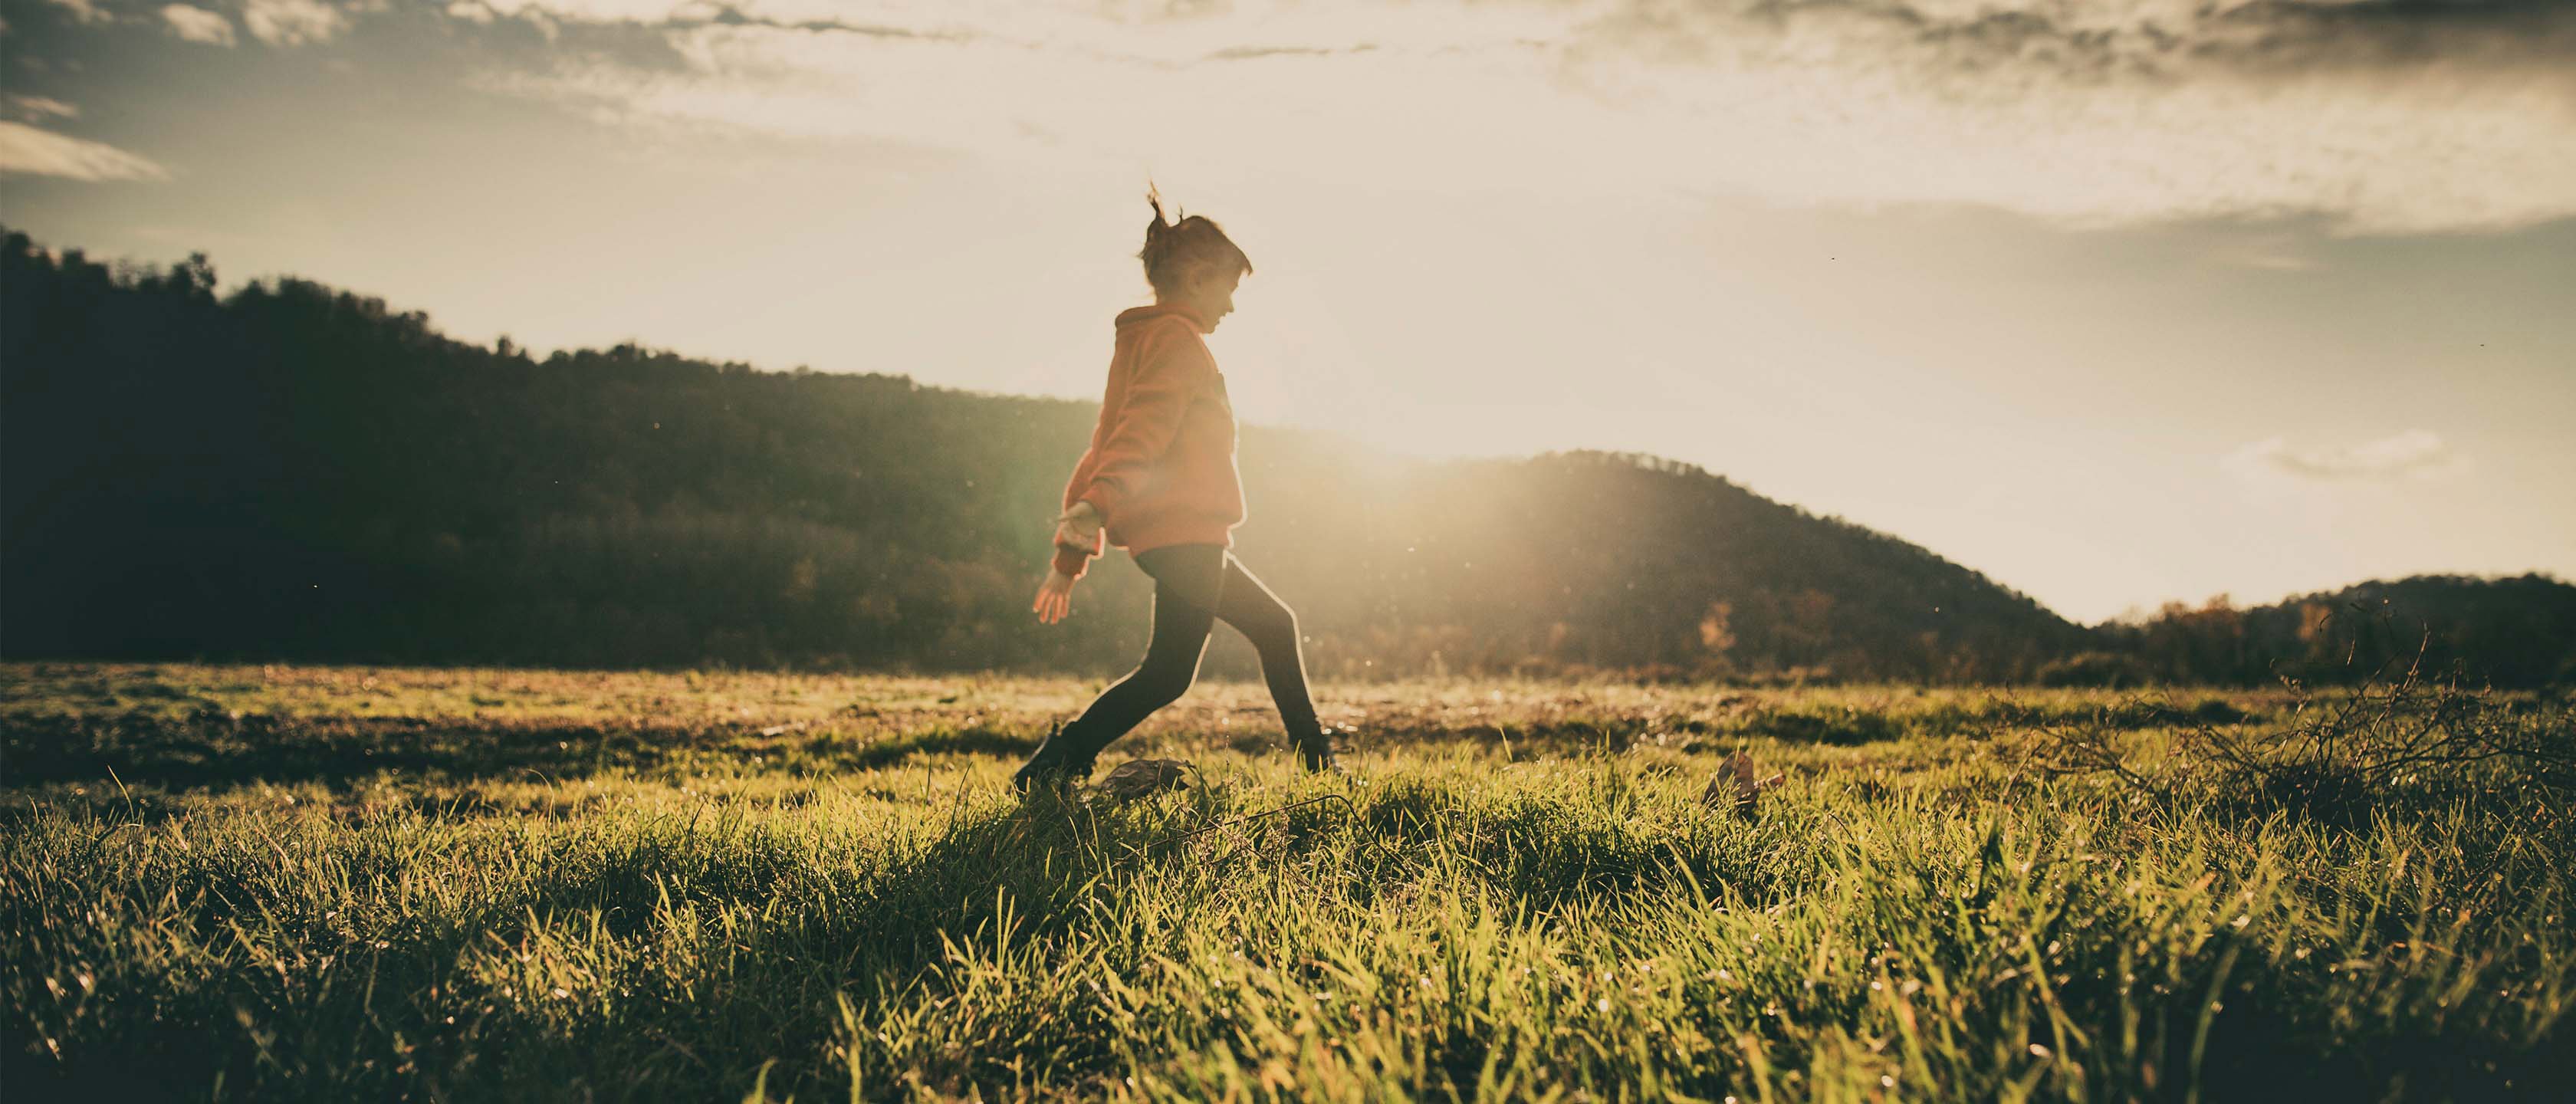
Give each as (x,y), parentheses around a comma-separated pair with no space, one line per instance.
(279,883)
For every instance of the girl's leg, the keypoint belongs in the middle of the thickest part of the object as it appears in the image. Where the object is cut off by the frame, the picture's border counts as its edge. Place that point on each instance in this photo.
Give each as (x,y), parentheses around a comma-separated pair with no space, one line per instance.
(1271,626)
(1186,581)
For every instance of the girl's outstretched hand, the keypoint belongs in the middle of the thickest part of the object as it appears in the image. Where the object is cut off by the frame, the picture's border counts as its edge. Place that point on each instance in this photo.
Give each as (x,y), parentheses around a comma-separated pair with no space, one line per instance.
(1055,598)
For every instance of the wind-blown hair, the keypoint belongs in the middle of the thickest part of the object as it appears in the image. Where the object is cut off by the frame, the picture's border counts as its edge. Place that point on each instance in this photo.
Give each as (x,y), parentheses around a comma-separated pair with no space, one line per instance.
(1178,252)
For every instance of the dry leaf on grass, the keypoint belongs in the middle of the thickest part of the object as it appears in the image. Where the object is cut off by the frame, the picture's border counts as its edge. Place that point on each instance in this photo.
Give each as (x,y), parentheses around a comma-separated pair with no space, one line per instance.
(1142,778)
(1736,786)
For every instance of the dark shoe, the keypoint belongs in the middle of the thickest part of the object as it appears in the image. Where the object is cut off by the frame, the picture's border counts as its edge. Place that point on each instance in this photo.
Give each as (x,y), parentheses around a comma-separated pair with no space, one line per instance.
(1057,763)
(1315,753)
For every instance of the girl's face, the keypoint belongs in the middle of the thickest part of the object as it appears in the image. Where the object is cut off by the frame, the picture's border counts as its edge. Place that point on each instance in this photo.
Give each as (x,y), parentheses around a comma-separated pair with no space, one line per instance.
(1213,296)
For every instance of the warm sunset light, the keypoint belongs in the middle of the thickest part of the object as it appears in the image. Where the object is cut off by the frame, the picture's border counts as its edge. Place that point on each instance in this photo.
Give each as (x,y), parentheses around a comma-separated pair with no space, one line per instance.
(1286,550)
(2042,297)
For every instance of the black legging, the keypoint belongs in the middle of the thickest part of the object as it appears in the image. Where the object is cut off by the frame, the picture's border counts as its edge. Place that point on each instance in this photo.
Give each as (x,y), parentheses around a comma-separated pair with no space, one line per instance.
(1195,585)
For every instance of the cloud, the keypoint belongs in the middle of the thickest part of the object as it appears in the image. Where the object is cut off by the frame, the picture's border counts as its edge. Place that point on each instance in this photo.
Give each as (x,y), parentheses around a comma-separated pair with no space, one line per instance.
(2110,40)
(198,25)
(1248,53)
(293,22)
(27,150)
(2381,35)
(2382,116)
(39,108)
(2413,454)
(84,11)
(2389,115)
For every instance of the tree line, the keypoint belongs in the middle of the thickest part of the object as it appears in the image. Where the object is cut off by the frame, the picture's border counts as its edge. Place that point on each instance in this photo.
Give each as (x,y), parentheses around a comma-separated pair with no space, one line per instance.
(294,472)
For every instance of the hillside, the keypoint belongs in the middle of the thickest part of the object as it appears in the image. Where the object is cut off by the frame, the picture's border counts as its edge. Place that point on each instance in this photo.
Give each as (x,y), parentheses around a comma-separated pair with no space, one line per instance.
(295,472)
(2517,631)
(289,471)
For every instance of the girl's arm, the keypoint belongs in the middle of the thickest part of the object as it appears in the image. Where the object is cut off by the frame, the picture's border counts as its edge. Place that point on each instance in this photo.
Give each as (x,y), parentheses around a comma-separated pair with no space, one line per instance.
(1077,538)
(1169,371)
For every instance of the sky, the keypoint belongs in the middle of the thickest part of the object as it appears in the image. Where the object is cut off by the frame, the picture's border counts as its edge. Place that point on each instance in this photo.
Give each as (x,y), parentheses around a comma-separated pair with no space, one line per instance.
(2117,302)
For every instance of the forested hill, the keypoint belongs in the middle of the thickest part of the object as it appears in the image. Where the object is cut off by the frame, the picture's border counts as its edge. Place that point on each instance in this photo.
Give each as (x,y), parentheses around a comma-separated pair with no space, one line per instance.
(293,472)
(2518,631)
(290,471)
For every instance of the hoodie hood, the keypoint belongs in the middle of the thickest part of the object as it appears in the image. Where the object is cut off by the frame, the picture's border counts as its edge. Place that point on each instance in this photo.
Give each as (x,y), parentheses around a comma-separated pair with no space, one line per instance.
(1135,315)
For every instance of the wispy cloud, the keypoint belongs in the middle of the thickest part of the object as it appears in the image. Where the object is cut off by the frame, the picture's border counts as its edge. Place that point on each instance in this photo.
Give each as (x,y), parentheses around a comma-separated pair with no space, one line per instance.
(293,22)
(1983,41)
(2382,115)
(2413,454)
(2390,115)
(1248,53)
(84,11)
(25,149)
(37,109)
(198,25)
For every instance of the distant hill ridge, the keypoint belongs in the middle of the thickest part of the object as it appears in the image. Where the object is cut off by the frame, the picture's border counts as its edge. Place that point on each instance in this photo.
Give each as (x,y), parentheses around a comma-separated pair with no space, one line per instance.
(294,472)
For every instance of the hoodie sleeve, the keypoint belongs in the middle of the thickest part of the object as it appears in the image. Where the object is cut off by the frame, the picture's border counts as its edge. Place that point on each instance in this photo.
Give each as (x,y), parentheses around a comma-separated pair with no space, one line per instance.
(1073,560)
(1168,372)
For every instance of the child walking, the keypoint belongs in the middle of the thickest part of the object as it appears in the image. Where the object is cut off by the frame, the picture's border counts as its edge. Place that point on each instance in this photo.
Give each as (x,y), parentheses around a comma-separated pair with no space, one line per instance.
(1159,480)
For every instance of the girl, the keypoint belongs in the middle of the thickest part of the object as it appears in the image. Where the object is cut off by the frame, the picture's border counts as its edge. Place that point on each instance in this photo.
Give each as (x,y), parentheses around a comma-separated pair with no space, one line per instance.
(1159,480)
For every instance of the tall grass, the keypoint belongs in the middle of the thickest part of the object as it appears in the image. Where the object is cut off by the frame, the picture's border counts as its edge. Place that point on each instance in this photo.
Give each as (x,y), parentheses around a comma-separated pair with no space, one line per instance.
(1915,913)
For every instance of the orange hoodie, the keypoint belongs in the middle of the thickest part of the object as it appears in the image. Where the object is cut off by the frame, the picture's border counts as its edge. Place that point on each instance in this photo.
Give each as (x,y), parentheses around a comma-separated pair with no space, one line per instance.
(1161,464)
